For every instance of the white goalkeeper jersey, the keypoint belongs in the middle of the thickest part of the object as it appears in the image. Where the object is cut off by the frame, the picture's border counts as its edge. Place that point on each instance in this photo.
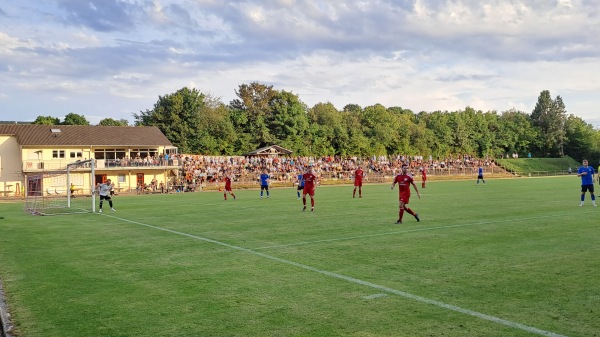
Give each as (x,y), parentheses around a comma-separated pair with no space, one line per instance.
(104,189)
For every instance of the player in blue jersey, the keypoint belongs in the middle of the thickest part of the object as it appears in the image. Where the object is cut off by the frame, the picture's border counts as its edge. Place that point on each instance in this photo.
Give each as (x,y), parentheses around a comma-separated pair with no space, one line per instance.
(300,184)
(480,174)
(264,182)
(587,181)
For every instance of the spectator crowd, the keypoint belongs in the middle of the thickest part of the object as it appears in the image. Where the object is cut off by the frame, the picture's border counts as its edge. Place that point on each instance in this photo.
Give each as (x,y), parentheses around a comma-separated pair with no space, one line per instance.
(198,170)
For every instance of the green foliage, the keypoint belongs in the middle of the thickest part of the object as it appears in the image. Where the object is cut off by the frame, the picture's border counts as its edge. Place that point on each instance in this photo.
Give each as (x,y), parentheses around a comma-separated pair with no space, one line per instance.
(194,265)
(253,106)
(549,116)
(75,119)
(113,122)
(177,115)
(47,120)
(262,115)
(580,139)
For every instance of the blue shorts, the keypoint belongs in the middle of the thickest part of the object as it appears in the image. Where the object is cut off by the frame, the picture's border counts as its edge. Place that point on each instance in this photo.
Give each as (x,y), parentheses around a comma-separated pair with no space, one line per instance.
(586,188)
(264,187)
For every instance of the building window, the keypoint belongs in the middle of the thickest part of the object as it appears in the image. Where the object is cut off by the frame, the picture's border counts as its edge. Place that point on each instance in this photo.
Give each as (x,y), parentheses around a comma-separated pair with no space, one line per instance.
(109,153)
(121,178)
(75,154)
(58,153)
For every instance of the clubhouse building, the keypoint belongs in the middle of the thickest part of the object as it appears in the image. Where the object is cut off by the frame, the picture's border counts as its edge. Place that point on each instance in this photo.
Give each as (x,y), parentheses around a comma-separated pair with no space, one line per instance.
(129,156)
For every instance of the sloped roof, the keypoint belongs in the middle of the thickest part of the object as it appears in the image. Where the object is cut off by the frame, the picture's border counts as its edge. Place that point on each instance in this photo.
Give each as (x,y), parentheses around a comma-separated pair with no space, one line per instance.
(269,150)
(85,135)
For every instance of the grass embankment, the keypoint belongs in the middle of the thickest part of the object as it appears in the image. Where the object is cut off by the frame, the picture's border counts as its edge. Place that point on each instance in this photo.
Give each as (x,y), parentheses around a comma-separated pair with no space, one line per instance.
(547,166)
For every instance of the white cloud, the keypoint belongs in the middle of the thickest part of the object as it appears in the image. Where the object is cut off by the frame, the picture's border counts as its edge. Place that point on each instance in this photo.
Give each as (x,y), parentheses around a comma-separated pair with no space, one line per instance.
(421,55)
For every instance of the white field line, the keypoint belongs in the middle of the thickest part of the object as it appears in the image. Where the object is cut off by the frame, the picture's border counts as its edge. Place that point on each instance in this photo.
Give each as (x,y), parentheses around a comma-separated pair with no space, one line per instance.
(423,229)
(439,304)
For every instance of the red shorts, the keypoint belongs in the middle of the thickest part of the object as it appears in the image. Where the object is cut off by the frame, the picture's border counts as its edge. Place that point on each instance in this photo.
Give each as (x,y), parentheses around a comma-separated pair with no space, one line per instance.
(404,197)
(308,190)
(228,188)
(358,183)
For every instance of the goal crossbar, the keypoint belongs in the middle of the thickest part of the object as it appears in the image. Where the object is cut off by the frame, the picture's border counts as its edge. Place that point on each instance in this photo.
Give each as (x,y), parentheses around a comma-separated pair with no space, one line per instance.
(64,191)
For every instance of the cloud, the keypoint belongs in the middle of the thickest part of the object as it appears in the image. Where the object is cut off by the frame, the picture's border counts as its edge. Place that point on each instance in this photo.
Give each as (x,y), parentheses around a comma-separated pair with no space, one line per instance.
(99,15)
(120,55)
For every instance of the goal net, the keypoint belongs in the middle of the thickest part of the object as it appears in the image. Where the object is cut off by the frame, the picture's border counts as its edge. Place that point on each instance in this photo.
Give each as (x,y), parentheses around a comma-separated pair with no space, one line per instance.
(64,191)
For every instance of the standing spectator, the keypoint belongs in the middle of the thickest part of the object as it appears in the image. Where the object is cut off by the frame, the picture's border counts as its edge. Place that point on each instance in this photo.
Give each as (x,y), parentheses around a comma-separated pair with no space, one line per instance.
(358,181)
(587,181)
(480,174)
(300,184)
(228,179)
(404,181)
(309,180)
(104,192)
(423,177)
(264,182)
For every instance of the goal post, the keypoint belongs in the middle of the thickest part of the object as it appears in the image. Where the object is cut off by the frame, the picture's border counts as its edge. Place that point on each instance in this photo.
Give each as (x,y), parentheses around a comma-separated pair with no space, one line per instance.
(63,191)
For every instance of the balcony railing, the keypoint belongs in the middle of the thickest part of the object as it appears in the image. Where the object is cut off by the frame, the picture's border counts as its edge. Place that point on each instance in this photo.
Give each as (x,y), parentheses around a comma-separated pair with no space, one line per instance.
(101,164)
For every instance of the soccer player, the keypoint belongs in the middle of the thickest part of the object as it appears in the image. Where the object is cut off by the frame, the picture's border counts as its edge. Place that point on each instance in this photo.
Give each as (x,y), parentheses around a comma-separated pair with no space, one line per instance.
(264,182)
(309,180)
(72,189)
(358,180)
(300,185)
(587,181)
(228,179)
(480,174)
(423,177)
(104,192)
(404,181)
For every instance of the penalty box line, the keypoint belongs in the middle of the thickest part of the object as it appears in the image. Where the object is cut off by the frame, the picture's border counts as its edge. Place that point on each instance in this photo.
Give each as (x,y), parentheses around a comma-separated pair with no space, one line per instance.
(423,229)
(350,279)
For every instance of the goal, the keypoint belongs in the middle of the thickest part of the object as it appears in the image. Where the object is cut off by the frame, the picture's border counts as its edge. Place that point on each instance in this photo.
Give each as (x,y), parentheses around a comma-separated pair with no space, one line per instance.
(49,192)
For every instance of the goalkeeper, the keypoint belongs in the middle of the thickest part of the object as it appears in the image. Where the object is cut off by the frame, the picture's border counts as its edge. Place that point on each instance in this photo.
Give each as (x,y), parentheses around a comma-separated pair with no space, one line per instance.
(104,192)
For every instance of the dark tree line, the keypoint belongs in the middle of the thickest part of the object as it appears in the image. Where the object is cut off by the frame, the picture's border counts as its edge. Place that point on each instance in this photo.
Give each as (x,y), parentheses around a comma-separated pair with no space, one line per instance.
(260,115)
(76,119)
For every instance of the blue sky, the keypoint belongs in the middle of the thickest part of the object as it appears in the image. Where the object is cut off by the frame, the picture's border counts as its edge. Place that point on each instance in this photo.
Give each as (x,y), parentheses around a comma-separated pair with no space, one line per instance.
(112,58)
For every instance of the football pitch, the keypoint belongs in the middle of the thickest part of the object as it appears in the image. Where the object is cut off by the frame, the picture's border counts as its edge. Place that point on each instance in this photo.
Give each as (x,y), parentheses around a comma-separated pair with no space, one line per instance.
(513,257)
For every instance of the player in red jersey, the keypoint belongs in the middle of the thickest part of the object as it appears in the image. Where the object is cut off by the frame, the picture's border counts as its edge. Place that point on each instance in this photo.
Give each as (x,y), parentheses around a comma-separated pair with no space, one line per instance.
(227,180)
(423,177)
(404,181)
(310,180)
(358,179)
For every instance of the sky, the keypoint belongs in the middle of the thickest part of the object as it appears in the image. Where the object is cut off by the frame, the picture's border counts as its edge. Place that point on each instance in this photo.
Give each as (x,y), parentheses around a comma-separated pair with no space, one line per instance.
(114,58)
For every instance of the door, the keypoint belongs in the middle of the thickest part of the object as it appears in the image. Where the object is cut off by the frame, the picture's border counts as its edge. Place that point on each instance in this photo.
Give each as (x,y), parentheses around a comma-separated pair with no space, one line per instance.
(140,179)
(34,186)
(100,179)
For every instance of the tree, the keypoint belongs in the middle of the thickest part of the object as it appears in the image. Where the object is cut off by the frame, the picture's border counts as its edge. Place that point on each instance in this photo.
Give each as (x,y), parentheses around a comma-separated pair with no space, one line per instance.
(254,105)
(549,116)
(287,122)
(47,120)
(516,133)
(439,124)
(331,136)
(75,119)
(579,138)
(177,115)
(112,122)
(216,134)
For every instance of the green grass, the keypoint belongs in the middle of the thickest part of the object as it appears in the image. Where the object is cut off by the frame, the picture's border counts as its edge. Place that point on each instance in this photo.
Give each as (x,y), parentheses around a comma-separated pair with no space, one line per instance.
(520,251)
(531,165)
